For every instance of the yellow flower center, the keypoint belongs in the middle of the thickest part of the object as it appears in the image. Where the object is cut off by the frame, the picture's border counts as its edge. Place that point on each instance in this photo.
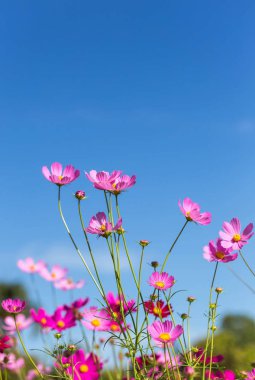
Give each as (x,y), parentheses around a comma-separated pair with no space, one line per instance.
(95,322)
(53,275)
(188,216)
(43,321)
(237,237)
(84,368)
(61,324)
(60,177)
(220,255)
(157,310)
(32,268)
(160,284)
(103,228)
(115,328)
(165,337)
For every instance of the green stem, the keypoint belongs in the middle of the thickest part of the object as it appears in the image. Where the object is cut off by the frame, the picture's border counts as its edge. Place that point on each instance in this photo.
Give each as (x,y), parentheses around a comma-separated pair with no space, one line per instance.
(246,263)
(75,245)
(172,246)
(209,318)
(25,349)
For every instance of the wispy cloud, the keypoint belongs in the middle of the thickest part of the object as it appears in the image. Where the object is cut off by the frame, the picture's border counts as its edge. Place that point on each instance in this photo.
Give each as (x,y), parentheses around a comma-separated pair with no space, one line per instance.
(246,126)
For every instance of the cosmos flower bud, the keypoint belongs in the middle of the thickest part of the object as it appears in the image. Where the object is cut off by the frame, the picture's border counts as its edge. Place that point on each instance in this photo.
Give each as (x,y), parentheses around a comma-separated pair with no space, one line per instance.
(194,349)
(219,290)
(120,230)
(184,316)
(66,365)
(71,347)
(144,243)
(80,195)
(212,305)
(153,297)
(154,264)
(213,328)
(58,335)
(191,299)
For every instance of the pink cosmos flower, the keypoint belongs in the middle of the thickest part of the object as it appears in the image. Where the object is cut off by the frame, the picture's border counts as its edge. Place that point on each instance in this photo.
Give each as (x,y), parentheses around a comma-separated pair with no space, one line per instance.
(69,284)
(161,281)
(55,274)
(214,251)
(41,317)
(232,237)
(33,374)
(59,176)
(221,375)
(83,367)
(250,375)
(168,360)
(22,322)
(28,265)
(62,319)
(95,319)
(199,356)
(191,211)
(116,303)
(100,226)
(12,363)
(158,308)
(112,182)
(75,306)
(164,333)
(3,345)
(13,306)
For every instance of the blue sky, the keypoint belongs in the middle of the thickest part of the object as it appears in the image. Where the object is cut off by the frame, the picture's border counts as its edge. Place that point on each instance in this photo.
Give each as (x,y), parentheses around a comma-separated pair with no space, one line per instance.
(161,90)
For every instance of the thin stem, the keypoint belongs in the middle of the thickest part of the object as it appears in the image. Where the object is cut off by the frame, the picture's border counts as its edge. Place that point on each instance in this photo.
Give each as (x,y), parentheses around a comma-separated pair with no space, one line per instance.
(172,246)
(75,245)
(25,349)
(246,263)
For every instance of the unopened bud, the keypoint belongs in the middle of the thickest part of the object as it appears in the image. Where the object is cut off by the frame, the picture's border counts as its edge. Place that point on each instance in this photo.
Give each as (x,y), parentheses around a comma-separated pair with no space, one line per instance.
(194,349)
(80,195)
(61,347)
(154,264)
(58,335)
(71,347)
(191,299)
(66,365)
(212,305)
(218,290)
(144,243)
(120,231)
(213,328)
(184,316)
(153,297)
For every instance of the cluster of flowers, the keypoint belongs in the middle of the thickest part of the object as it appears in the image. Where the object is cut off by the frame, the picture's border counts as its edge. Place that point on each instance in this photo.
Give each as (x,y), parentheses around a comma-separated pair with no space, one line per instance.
(149,344)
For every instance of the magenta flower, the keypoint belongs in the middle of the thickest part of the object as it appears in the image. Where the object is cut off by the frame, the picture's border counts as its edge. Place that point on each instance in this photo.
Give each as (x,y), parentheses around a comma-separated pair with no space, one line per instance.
(214,251)
(41,317)
(83,367)
(53,275)
(161,281)
(80,195)
(3,345)
(100,226)
(13,306)
(28,265)
(158,308)
(232,237)
(112,182)
(69,284)
(250,375)
(191,211)
(59,176)
(164,333)
(62,319)
(95,319)
(118,302)
(221,375)
(22,322)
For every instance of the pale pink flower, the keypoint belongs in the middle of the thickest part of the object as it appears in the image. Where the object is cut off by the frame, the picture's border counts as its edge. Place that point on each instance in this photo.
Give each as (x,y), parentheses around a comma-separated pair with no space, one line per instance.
(164,333)
(100,226)
(59,176)
(13,364)
(250,375)
(191,211)
(171,361)
(95,319)
(33,374)
(113,182)
(69,284)
(161,281)
(214,251)
(55,274)
(232,237)
(22,322)
(28,265)
(13,306)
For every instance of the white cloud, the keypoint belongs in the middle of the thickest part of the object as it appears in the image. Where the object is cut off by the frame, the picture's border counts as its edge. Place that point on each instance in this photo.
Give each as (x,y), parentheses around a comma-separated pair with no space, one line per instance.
(246,126)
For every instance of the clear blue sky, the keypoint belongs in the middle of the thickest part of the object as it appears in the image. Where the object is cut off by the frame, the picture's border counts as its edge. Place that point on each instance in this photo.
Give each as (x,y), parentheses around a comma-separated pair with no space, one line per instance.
(163,90)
